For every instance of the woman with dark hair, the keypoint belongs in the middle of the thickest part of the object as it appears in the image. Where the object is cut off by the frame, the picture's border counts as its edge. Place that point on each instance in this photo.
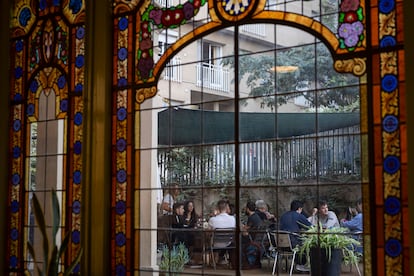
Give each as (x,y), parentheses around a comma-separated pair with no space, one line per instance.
(190,221)
(190,215)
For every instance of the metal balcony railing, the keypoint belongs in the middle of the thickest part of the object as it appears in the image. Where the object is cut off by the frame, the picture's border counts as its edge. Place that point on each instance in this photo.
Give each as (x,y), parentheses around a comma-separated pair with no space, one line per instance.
(254,29)
(173,70)
(213,76)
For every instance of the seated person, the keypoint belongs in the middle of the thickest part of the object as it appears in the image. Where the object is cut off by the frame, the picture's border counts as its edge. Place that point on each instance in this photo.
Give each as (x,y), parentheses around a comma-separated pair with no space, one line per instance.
(232,210)
(178,223)
(263,212)
(251,238)
(294,221)
(355,224)
(249,230)
(220,221)
(322,215)
(190,215)
(169,199)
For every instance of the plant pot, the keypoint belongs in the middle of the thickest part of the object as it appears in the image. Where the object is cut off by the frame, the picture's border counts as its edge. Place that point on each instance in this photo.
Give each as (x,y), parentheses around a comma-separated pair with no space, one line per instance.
(322,266)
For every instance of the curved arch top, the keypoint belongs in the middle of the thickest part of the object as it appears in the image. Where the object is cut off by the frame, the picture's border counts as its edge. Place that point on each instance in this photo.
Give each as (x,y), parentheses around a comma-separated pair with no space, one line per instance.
(47,80)
(234,10)
(351,34)
(304,23)
(290,19)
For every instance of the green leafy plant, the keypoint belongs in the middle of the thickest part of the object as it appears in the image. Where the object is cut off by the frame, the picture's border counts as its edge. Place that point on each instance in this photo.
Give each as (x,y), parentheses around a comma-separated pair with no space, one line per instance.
(51,258)
(329,239)
(173,261)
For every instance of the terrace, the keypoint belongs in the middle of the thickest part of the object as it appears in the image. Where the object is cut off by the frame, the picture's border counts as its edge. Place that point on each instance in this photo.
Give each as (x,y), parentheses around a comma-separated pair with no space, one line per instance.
(265,270)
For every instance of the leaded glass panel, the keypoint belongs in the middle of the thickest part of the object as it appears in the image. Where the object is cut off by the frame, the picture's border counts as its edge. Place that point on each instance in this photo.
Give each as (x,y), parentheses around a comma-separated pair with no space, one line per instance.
(47,41)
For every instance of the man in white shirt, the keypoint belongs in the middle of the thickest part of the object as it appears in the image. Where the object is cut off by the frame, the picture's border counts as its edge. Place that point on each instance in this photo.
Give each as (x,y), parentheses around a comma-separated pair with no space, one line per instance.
(222,219)
(169,200)
(322,215)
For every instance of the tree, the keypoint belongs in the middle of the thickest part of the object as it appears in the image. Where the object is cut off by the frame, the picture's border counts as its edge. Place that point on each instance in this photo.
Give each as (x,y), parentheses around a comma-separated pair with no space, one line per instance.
(307,70)
(314,78)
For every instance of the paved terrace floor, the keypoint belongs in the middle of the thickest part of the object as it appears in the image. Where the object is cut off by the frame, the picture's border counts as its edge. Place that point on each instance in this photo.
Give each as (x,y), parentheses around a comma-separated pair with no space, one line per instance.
(265,270)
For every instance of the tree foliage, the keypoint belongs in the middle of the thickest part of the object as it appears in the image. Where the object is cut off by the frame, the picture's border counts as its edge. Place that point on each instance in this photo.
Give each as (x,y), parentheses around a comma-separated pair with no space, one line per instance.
(314,77)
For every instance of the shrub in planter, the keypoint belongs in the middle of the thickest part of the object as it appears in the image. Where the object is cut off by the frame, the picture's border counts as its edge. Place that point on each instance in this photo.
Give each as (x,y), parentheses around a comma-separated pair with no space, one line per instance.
(52,253)
(326,249)
(173,261)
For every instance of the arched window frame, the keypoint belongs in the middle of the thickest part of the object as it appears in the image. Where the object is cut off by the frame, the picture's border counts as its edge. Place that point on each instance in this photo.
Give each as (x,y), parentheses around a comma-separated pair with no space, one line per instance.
(382,118)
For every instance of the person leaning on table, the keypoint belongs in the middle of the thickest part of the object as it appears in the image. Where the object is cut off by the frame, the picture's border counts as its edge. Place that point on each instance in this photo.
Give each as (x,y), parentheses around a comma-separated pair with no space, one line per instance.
(294,221)
(322,215)
(355,224)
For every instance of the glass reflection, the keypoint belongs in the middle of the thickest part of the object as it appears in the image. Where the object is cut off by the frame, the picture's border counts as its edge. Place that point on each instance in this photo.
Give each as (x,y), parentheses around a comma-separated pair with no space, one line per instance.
(245,145)
(45,163)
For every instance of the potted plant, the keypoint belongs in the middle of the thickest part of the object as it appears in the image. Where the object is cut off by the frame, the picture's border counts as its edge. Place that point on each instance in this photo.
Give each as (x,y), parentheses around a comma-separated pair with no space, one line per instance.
(52,253)
(326,249)
(173,261)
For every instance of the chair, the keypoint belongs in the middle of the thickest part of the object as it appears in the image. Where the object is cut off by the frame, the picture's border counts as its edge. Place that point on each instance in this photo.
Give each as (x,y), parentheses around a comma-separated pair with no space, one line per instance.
(259,235)
(222,239)
(280,245)
(358,235)
(164,230)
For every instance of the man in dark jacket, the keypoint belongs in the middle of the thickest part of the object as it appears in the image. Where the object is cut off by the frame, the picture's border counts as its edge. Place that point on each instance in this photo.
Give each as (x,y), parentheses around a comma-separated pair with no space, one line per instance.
(178,222)
(253,224)
(250,233)
(294,221)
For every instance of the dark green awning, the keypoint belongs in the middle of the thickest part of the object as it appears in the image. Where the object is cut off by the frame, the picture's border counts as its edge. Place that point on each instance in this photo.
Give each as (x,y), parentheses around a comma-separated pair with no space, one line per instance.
(191,127)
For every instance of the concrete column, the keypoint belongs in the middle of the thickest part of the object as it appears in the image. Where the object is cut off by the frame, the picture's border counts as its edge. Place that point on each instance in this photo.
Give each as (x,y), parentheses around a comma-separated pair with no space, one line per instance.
(148,178)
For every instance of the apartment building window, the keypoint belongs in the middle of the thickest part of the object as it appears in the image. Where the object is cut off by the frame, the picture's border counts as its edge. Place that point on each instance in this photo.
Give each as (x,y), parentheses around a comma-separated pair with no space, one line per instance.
(210,72)
(173,69)
(211,53)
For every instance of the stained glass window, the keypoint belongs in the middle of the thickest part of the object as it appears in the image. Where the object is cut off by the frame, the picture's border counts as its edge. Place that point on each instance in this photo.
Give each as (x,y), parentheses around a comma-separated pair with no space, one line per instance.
(235,163)
(255,102)
(233,99)
(48,60)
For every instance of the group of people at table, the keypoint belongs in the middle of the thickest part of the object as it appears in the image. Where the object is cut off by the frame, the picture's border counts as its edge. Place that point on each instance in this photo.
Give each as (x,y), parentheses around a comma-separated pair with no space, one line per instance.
(223,217)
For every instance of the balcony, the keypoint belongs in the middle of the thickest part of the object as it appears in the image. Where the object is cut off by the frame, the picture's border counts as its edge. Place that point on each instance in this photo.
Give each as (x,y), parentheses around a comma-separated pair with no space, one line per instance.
(213,77)
(258,30)
(173,70)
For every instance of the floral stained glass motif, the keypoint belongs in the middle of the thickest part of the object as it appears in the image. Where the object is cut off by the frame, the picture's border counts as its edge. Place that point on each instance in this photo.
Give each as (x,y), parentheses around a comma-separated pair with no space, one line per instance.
(351,24)
(162,18)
